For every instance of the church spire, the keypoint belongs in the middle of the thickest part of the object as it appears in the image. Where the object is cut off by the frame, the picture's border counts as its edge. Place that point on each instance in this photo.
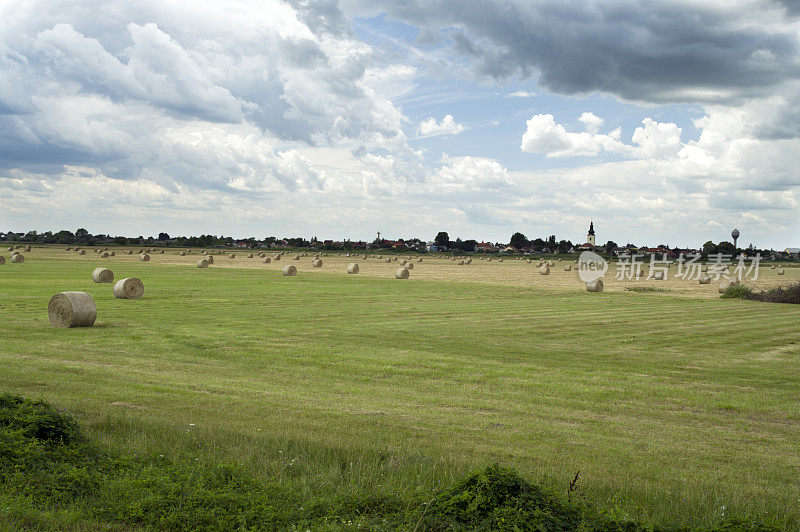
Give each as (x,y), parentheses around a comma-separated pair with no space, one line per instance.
(591,227)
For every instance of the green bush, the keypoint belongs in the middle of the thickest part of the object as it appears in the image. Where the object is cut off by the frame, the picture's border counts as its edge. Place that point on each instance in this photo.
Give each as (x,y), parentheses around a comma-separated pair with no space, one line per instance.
(738,291)
(790,294)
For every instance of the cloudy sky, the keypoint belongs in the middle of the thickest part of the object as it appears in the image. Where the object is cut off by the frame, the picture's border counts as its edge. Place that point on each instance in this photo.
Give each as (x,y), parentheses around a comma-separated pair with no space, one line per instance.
(664,121)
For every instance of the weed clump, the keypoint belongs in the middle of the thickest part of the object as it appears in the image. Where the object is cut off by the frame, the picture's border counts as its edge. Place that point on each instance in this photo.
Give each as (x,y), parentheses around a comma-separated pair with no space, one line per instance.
(737,291)
(789,294)
(36,420)
(497,498)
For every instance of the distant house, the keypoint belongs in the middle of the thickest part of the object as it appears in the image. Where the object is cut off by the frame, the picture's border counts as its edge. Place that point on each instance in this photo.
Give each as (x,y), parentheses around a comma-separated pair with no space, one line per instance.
(792,251)
(486,247)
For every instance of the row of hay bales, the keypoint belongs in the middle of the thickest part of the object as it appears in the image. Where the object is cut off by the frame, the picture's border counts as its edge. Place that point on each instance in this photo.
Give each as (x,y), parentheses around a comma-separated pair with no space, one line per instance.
(78,309)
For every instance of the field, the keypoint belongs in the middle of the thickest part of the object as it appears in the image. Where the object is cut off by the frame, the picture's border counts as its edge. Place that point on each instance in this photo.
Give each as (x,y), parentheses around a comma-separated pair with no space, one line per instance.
(676,406)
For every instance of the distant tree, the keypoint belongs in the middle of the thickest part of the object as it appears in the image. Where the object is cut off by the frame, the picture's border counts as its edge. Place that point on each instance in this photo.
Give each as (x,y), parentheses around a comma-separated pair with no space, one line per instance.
(564,246)
(64,237)
(162,237)
(538,244)
(726,248)
(709,248)
(442,239)
(610,246)
(551,241)
(518,240)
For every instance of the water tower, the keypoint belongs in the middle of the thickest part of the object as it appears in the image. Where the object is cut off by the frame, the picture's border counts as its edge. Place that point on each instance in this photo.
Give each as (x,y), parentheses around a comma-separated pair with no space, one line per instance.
(735,236)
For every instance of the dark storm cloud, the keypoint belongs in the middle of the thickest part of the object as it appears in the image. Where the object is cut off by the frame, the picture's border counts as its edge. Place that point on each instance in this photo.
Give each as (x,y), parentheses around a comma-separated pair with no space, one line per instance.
(647,51)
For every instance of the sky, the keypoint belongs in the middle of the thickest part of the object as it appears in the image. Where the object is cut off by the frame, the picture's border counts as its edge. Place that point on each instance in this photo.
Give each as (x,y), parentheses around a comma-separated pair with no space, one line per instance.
(663,121)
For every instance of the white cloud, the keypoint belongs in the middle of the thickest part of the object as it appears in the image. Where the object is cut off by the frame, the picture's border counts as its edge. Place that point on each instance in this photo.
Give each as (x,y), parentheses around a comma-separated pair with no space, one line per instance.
(521,94)
(657,140)
(591,122)
(544,135)
(448,126)
(471,173)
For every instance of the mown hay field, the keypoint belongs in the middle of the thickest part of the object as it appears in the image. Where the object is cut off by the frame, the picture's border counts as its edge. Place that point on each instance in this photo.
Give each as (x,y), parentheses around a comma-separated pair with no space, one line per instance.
(676,406)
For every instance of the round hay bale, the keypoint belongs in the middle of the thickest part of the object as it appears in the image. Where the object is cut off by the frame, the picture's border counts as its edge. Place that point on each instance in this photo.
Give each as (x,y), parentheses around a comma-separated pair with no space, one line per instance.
(380,256)
(11,248)
(409,266)
(129,288)
(182,253)
(82,252)
(489,259)
(297,257)
(365,256)
(388,260)
(544,270)
(210,259)
(395,259)
(461,263)
(595,286)
(772,267)
(71,309)
(419,259)
(18,258)
(781,272)
(202,263)
(188,251)
(706,279)
(468,261)
(102,275)
(161,252)
(232,256)
(657,276)
(403,262)
(144,257)
(276,256)
(401,273)
(724,285)
(704,269)
(289,270)
(551,263)
(14,253)
(104,255)
(352,268)
(27,249)
(316,263)
(266,260)
(2,259)
(249,255)
(114,253)
(528,261)
(69,248)
(129,252)
(568,268)
(262,255)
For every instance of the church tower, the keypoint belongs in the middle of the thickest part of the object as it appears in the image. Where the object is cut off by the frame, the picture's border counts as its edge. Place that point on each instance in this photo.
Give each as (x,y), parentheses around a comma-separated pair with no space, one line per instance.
(590,235)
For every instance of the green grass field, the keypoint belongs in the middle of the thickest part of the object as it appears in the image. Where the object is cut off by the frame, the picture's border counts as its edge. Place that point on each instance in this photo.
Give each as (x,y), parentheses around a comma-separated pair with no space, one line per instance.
(676,410)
